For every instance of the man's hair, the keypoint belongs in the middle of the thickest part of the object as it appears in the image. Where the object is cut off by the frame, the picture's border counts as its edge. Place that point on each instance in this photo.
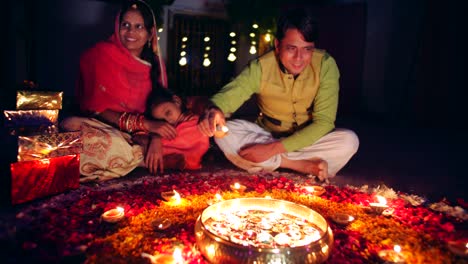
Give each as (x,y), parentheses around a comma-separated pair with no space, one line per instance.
(300,19)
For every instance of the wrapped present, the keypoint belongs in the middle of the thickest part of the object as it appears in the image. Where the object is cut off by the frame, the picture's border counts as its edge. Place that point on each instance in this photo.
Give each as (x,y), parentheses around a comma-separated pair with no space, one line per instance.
(49,145)
(19,118)
(31,130)
(40,178)
(38,100)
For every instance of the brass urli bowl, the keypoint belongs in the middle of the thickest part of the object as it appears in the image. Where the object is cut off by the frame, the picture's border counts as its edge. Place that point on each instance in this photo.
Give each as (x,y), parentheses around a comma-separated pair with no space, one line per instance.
(220,250)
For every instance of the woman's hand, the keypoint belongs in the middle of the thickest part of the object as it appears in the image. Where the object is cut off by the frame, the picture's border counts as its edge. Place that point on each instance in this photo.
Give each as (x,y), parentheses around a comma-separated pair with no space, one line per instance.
(162,128)
(208,121)
(154,155)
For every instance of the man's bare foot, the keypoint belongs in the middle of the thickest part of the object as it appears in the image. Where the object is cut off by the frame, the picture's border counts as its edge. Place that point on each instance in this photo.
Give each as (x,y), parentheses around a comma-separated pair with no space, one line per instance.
(316,167)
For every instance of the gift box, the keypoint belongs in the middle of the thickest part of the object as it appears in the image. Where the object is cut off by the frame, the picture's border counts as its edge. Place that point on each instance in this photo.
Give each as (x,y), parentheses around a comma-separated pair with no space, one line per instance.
(40,178)
(30,118)
(31,122)
(49,145)
(38,100)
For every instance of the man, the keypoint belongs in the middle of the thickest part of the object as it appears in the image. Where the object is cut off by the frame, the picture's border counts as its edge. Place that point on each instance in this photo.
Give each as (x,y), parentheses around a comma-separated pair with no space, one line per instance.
(297,93)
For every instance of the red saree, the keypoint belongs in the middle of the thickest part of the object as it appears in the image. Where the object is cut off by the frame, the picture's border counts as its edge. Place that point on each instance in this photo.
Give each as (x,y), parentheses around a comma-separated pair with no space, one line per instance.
(112,78)
(189,142)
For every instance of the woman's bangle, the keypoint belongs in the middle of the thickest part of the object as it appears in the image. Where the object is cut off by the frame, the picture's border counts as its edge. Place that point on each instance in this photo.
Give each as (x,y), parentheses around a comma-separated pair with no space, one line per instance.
(132,122)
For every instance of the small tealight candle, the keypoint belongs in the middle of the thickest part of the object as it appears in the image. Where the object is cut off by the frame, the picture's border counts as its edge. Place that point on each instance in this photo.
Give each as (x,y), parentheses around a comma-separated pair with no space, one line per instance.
(315,190)
(220,131)
(459,248)
(237,187)
(161,224)
(380,206)
(342,219)
(392,256)
(113,215)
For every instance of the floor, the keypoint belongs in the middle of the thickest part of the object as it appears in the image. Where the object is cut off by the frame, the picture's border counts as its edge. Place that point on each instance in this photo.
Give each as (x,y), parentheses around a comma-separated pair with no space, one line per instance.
(413,160)
(421,161)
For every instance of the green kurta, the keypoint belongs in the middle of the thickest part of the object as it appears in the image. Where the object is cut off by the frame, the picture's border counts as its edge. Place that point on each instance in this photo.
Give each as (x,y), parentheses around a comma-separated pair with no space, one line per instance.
(310,99)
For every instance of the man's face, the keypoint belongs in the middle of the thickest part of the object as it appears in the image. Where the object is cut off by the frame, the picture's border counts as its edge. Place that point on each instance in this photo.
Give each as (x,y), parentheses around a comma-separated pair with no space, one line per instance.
(294,52)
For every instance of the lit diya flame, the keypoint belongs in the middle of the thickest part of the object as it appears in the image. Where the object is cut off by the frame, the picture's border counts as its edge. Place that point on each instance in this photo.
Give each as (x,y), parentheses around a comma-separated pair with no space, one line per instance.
(175,258)
(315,190)
(392,256)
(113,215)
(216,199)
(172,197)
(237,187)
(220,131)
(161,224)
(380,206)
(177,255)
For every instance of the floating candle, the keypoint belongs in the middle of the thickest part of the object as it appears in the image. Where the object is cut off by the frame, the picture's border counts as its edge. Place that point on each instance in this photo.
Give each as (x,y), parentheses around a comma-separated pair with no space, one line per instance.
(161,224)
(315,190)
(113,215)
(380,206)
(237,187)
(342,219)
(220,131)
(392,256)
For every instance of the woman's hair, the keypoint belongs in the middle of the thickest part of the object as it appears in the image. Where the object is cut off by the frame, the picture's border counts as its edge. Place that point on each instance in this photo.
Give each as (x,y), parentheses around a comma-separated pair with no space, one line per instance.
(300,19)
(161,95)
(148,18)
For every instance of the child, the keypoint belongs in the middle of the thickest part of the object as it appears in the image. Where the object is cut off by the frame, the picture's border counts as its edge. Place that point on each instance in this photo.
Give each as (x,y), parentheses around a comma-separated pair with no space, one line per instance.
(188,148)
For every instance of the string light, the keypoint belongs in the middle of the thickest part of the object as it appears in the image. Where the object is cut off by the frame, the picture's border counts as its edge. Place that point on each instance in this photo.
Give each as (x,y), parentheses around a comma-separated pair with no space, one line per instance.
(206,60)
(183,60)
(232,56)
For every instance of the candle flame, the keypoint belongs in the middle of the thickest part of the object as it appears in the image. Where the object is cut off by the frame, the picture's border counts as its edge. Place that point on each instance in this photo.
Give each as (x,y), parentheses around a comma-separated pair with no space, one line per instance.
(397,248)
(381,199)
(176,197)
(466,245)
(224,129)
(120,209)
(178,255)
(237,185)
(218,197)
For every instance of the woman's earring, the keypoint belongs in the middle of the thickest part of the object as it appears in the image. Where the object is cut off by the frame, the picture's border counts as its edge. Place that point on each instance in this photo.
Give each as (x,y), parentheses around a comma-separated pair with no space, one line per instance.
(149,43)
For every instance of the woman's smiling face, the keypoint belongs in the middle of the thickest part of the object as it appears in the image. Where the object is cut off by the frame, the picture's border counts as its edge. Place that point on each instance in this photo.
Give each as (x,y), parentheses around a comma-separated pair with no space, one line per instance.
(133,33)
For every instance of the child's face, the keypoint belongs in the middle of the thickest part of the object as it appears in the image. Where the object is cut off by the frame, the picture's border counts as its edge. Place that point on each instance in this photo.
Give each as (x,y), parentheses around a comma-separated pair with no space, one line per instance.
(169,111)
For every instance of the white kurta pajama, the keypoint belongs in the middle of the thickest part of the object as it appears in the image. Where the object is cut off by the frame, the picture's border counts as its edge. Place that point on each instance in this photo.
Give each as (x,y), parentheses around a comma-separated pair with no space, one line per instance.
(336,147)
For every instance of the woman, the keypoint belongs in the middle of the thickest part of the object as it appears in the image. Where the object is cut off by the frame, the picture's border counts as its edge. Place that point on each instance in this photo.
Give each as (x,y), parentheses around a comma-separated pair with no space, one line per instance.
(116,77)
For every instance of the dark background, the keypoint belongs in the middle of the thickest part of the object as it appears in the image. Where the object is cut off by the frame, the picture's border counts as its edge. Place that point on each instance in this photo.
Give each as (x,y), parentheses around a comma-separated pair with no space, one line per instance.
(401,66)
